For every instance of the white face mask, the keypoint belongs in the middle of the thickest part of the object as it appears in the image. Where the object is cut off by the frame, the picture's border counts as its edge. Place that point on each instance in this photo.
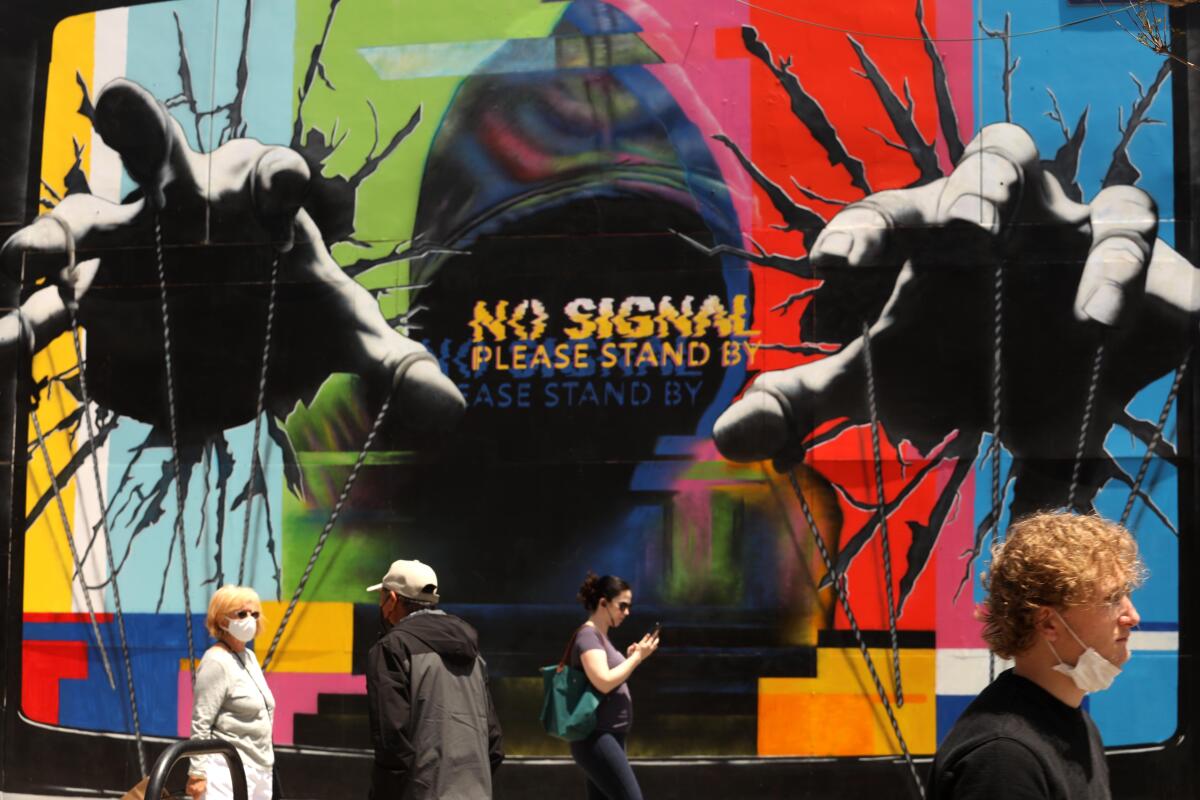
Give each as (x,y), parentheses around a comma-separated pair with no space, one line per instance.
(1092,672)
(242,629)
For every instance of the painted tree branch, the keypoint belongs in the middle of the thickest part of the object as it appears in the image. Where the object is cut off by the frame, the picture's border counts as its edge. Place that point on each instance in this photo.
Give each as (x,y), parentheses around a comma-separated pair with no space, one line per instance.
(415,249)
(797,217)
(804,294)
(924,537)
(69,469)
(85,103)
(792,266)
(372,161)
(235,124)
(947,115)
(1144,431)
(808,110)
(1065,164)
(315,68)
(187,94)
(901,115)
(1121,170)
(1010,66)
(811,195)
(855,543)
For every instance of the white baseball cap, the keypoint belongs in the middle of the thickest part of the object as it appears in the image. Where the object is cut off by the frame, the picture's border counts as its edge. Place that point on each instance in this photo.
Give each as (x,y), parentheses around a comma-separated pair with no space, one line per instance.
(410,579)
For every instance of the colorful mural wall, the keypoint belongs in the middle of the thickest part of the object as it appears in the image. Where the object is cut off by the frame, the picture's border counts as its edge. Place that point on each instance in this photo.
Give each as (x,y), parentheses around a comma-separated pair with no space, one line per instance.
(675,263)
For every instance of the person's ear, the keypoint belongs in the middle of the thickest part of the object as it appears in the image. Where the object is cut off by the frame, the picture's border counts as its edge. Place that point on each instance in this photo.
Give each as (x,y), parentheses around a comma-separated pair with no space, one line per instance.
(1045,624)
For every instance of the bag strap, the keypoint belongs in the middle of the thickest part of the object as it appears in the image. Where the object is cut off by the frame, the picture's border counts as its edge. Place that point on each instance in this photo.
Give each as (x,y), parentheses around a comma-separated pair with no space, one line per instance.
(567,653)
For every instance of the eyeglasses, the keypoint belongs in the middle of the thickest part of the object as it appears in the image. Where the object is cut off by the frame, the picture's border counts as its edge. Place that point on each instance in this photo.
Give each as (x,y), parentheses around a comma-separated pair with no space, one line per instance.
(244,613)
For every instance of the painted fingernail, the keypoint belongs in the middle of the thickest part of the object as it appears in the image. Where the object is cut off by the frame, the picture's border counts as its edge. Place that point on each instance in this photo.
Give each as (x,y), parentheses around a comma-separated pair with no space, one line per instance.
(974,209)
(838,244)
(1104,304)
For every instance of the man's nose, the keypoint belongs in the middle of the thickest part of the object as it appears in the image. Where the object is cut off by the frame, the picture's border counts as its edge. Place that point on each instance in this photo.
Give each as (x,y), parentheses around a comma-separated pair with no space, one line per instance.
(1130,616)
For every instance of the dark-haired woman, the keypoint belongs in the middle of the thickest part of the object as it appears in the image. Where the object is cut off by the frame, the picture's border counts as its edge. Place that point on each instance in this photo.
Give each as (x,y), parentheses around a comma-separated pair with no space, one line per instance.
(601,755)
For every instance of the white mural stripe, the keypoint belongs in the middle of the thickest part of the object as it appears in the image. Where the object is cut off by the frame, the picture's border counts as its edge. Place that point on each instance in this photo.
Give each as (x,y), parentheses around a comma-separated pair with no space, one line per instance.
(112,28)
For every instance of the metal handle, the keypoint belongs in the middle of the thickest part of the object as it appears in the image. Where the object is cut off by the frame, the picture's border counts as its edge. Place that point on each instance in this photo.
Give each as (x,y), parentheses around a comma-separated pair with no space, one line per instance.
(197,747)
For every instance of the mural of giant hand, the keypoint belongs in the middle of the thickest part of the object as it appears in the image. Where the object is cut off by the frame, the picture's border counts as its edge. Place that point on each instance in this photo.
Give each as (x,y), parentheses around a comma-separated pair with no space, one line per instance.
(1073,277)
(219,224)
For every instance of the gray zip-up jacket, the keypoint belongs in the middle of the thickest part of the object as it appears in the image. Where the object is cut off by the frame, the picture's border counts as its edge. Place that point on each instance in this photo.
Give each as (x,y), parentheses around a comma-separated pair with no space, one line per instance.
(434,727)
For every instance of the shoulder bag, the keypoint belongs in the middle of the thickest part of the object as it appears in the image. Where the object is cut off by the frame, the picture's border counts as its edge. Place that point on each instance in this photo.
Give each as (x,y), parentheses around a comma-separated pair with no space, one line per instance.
(569,701)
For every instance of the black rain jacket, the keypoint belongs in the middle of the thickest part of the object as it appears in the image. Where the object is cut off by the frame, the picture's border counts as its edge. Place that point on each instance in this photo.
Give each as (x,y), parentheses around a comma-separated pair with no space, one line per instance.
(433,724)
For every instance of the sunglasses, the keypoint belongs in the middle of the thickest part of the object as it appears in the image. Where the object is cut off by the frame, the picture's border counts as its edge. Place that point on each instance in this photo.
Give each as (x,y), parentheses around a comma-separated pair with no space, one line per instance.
(244,613)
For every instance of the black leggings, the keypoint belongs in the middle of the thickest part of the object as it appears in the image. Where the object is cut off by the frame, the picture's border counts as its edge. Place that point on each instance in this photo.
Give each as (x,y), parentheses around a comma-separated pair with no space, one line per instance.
(602,758)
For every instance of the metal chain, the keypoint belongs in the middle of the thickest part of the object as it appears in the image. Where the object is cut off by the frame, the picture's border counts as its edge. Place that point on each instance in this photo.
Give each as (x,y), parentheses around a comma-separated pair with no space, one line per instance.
(1085,426)
(337,510)
(71,303)
(179,480)
(882,512)
(66,524)
(997,398)
(1156,438)
(401,369)
(258,415)
(839,592)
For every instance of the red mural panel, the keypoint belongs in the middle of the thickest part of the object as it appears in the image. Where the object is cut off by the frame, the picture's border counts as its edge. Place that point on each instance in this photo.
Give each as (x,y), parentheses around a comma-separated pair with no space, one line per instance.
(43,665)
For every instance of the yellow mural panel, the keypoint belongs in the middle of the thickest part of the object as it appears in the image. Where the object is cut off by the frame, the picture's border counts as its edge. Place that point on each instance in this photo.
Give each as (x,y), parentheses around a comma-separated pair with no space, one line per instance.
(319,637)
(48,563)
(838,713)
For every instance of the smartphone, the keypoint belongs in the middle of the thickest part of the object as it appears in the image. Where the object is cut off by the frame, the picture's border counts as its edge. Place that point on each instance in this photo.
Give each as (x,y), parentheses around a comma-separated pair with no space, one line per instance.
(656,630)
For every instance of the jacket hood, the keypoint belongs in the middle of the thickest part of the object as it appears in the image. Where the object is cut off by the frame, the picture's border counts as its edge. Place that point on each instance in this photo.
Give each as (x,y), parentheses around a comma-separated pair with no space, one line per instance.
(445,634)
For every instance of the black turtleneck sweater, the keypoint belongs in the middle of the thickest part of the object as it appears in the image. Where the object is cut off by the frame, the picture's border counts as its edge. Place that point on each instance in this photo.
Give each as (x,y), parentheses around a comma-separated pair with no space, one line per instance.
(1016,741)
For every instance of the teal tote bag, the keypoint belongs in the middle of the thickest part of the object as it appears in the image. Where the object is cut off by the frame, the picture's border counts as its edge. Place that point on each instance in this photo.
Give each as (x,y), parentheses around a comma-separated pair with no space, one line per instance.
(569,701)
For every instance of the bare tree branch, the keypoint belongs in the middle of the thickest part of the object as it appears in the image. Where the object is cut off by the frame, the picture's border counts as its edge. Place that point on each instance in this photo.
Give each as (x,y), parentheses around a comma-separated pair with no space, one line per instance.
(75,181)
(373,161)
(889,142)
(805,348)
(235,125)
(1065,164)
(808,110)
(786,305)
(187,95)
(315,67)
(924,537)
(947,116)
(1010,66)
(901,115)
(69,469)
(797,217)
(811,195)
(1144,431)
(1121,171)
(792,266)
(85,103)
(860,538)
(416,249)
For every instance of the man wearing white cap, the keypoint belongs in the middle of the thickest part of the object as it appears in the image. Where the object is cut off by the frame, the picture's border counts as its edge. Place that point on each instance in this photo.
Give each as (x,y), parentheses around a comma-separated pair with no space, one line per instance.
(433,724)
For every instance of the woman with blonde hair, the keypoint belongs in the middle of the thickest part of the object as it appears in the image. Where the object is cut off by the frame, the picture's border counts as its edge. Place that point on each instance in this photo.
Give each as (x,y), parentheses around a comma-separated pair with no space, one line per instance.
(232,701)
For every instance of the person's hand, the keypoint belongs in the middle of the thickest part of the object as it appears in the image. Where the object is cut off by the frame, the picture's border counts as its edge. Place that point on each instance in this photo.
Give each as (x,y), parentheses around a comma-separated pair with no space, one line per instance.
(196,786)
(643,649)
(219,223)
(1073,275)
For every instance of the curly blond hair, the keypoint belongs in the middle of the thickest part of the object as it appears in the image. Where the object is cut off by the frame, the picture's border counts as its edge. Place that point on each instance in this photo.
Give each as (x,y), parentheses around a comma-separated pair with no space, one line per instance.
(1055,560)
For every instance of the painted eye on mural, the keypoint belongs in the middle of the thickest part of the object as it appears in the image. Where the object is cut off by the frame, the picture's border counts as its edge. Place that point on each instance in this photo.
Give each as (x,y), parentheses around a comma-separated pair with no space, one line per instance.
(788,317)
